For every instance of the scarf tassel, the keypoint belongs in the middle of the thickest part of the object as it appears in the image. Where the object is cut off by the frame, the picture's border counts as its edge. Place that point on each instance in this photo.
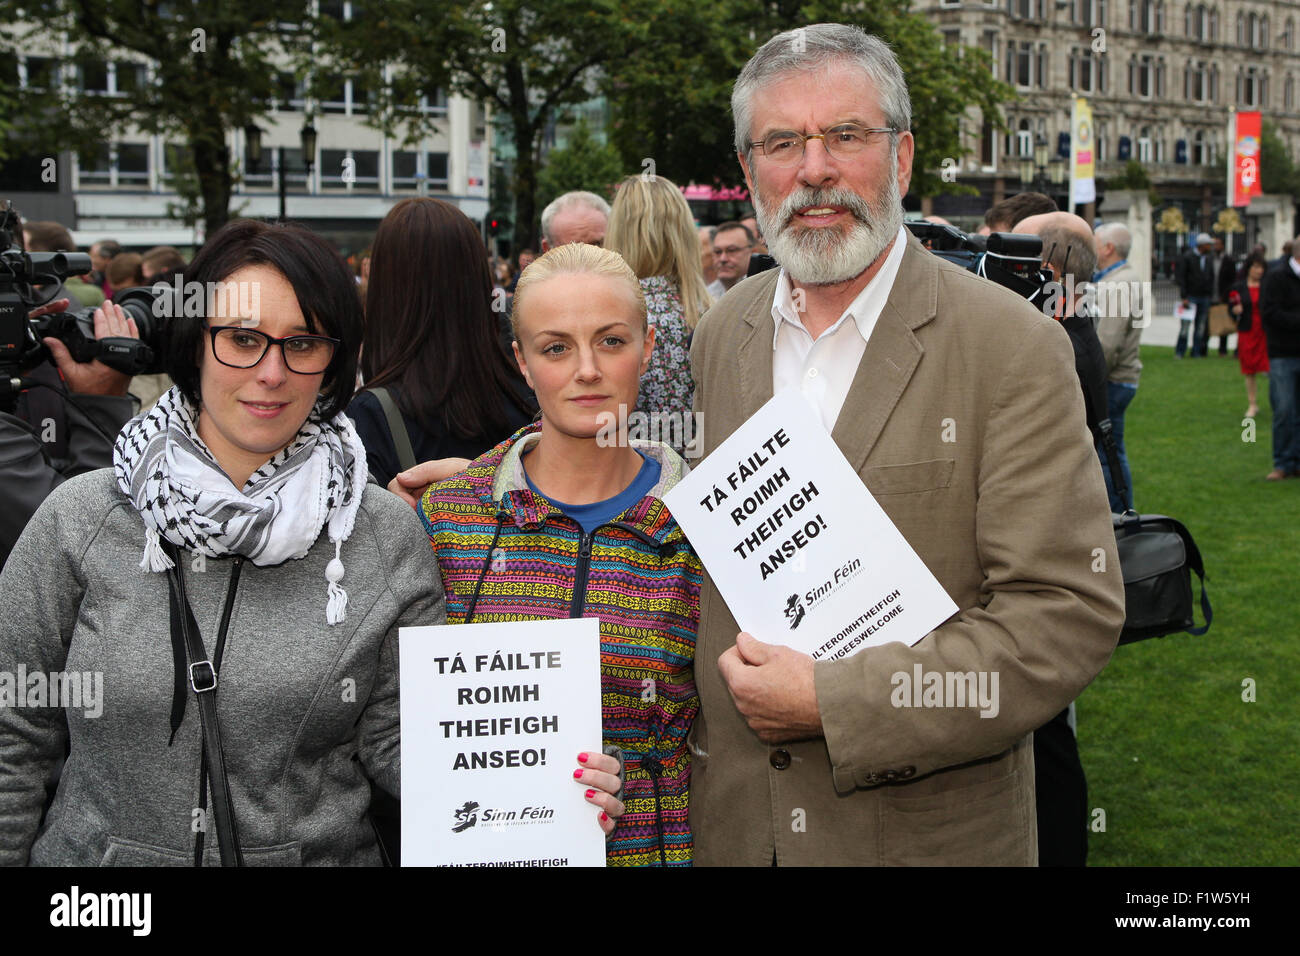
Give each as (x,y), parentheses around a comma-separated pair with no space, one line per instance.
(155,559)
(336,609)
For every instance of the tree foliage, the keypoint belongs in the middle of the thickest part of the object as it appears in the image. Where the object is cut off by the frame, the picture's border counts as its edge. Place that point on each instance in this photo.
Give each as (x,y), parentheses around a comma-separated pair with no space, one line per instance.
(583,163)
(1278,173)
(212,69)
(526,59)
(671,96)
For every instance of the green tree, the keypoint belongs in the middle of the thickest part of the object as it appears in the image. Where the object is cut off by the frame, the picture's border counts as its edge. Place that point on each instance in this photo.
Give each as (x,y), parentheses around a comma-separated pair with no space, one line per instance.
(212,68)
(1278,173)
(670,96)
(583,163)
(527,59)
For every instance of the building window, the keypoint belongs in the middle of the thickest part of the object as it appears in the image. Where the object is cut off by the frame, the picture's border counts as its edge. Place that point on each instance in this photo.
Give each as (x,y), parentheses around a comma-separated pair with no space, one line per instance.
(1088,13)
(133,164)
(1025,9)
(951,38)
(1145,76)
(95,166)
(1252,87)
(349,169)
(991,47)
(1288,93)
(987,139)
(92,76)
(40,73)
(436,163)
(1085,70)
(1197,81)
(288,92)
(128,78)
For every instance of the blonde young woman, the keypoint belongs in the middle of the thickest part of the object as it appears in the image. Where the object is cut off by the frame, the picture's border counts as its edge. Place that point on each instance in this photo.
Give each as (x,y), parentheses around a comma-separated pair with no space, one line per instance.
(651,227)
(557,522)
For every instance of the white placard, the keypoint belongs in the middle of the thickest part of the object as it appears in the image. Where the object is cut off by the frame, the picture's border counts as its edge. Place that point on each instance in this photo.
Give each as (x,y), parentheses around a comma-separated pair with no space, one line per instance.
(797,545)
(1184,313)
(493,719)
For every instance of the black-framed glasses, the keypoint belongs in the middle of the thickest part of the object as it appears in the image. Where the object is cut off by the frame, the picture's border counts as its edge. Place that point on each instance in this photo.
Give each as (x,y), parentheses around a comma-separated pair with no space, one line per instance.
(785,147)
(240,347)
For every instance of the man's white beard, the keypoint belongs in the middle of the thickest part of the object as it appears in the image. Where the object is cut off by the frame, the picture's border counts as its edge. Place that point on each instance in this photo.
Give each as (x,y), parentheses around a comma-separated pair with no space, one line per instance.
(829,256)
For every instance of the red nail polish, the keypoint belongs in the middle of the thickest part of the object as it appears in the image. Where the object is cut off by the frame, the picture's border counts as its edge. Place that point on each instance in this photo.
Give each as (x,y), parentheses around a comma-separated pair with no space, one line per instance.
(590,794)
(582,758)
(577,775)
(603,816)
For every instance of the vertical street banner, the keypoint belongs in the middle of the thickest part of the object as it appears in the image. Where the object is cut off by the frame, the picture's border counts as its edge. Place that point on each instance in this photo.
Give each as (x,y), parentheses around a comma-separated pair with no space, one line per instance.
(1083,159)
(493,719)
(800,550)
(1244,134)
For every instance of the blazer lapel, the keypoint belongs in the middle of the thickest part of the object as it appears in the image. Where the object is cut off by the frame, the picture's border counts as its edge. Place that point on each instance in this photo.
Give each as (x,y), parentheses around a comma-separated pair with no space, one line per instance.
(891,357)
(755,359)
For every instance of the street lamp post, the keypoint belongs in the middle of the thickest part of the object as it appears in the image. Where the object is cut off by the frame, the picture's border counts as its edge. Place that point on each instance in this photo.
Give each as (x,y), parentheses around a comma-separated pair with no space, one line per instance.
(1037,170)
(253,136)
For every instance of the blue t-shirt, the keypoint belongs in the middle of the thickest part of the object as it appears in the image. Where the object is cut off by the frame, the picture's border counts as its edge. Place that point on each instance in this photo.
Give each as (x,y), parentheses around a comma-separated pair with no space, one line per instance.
(594,515)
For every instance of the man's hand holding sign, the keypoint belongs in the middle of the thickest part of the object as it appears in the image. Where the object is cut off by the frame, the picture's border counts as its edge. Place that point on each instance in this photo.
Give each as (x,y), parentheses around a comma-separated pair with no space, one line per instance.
(772,686)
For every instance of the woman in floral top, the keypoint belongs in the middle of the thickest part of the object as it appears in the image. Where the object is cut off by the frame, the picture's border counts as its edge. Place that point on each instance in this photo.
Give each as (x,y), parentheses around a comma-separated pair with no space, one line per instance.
(652,228)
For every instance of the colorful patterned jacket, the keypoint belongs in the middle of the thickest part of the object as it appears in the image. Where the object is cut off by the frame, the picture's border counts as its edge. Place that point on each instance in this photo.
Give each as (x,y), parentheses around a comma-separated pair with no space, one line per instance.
(508,554)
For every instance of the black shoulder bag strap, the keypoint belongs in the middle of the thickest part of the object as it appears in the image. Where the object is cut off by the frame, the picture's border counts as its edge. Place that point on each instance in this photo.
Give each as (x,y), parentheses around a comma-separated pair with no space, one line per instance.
(1195,563)
(203,680)
(397,428)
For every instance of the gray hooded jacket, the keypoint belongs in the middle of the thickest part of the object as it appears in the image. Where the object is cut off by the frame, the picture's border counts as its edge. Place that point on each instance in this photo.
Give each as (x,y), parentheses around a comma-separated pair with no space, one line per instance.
(307,710)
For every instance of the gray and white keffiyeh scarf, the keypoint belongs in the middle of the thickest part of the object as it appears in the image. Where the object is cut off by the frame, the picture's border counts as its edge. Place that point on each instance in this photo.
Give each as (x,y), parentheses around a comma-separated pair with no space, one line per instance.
(183,495)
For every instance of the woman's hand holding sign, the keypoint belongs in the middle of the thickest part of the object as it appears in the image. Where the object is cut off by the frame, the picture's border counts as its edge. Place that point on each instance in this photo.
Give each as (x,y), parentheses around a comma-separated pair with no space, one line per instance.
(772,687)
(599,773)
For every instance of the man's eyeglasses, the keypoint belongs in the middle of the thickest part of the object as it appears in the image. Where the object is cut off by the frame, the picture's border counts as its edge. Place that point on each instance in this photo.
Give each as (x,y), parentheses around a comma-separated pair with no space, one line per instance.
(731,251)
(785,147)
(238,347)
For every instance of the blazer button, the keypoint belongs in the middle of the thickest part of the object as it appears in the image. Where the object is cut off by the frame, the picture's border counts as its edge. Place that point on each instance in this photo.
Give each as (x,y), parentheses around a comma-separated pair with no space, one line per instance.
(908,772)
(891,774)
(780,759)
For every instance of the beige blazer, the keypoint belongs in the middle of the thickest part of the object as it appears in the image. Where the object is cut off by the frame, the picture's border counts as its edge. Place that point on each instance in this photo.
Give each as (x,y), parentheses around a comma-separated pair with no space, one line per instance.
(966,421)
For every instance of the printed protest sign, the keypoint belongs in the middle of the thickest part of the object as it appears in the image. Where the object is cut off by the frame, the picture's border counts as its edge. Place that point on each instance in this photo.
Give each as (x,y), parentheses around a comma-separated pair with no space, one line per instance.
(493,719)
(798,547)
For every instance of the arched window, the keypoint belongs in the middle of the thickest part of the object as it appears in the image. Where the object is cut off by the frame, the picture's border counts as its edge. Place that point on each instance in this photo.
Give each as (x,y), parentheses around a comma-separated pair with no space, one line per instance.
(1144,145)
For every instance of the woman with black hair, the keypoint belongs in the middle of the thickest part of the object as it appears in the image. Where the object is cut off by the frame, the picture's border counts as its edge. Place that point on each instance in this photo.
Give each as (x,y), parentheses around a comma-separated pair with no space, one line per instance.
(280,575)
(433,344)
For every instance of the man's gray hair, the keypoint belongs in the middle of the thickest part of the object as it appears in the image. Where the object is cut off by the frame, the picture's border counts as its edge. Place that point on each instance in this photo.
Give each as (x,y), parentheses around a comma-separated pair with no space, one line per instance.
(1118,235)
(809,49)
(1069,253)
(570,201)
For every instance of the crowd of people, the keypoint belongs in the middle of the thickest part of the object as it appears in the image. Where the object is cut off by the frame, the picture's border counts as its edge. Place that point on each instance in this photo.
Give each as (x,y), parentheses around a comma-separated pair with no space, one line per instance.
(421,440)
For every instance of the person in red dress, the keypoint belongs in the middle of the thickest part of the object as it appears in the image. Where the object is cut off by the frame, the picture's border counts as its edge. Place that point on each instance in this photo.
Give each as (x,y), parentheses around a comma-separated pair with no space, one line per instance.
(1252,349)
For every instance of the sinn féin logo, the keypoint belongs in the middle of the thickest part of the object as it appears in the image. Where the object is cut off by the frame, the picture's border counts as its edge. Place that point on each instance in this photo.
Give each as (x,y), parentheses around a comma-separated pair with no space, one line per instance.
(466,816)
(794,611)
(471,814)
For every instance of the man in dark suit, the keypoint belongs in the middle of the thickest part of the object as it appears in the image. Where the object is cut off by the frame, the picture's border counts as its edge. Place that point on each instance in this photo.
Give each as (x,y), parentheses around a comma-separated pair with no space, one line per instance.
(1195,276)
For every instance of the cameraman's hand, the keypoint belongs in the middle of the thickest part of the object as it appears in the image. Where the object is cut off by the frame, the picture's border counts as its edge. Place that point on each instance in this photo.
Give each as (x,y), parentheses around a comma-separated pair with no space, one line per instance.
(58,305)
(96,378)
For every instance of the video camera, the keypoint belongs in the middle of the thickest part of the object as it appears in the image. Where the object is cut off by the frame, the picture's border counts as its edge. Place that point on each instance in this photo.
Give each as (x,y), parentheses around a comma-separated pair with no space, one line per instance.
(1012,260)
(21,348)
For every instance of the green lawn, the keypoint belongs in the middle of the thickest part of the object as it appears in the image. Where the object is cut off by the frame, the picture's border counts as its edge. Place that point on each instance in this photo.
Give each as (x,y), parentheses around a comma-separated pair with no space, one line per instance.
(1185,770)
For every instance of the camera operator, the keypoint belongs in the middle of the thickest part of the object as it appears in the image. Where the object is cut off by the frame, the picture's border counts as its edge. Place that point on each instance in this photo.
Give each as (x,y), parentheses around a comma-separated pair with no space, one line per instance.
(1060,785)
(63,424)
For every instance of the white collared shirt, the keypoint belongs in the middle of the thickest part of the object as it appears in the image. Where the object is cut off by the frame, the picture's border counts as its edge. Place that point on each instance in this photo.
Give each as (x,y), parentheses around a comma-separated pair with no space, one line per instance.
(1295,266)
(824,369)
